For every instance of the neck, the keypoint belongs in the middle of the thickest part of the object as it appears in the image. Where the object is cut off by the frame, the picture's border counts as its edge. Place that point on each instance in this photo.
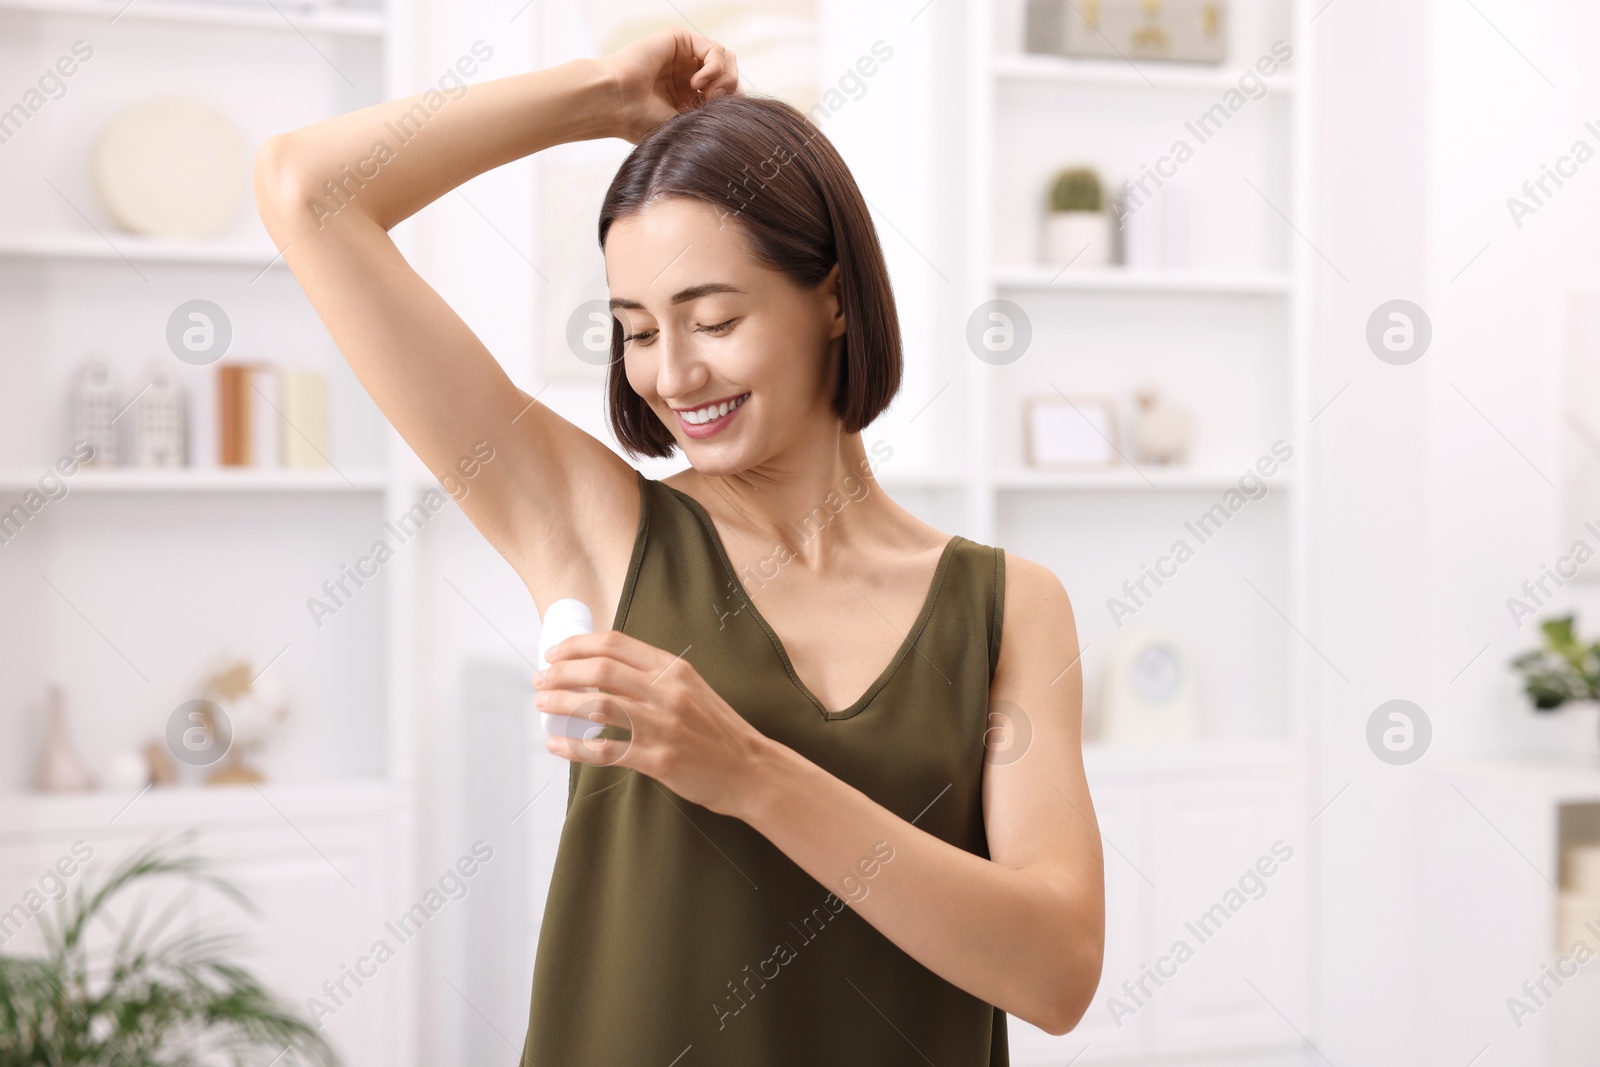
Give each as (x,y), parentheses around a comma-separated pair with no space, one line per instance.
(805,502)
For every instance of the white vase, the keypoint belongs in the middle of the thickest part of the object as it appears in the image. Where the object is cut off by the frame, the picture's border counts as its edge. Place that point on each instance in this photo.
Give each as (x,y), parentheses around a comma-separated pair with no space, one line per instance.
(60,770)
(1080,240)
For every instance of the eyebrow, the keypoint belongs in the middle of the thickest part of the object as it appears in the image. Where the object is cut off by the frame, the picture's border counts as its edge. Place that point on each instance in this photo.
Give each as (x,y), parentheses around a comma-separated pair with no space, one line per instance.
(683,296)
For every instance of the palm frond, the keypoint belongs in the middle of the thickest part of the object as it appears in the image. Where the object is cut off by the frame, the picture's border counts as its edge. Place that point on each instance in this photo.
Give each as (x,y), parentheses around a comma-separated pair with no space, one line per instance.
(159,997)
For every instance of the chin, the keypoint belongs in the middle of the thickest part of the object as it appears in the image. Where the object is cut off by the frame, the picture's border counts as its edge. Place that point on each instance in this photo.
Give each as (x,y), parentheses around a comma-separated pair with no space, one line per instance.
(711,456)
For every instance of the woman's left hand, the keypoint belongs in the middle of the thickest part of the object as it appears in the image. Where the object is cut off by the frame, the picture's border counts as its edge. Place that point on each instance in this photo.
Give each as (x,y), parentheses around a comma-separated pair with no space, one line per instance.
(684,735)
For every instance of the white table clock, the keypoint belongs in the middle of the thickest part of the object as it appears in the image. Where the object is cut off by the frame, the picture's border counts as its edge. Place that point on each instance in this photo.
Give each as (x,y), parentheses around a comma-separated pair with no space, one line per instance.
(1148,694)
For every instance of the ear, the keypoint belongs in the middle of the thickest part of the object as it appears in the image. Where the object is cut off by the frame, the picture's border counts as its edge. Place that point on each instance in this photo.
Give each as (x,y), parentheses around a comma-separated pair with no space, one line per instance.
(833,303)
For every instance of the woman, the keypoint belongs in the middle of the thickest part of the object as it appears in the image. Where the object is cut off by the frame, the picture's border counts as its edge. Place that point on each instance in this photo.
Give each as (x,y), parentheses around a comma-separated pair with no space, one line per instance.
(791,845)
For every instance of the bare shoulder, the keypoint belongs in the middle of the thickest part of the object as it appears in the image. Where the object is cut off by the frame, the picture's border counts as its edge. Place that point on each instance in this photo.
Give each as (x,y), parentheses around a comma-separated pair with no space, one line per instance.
(1038,634)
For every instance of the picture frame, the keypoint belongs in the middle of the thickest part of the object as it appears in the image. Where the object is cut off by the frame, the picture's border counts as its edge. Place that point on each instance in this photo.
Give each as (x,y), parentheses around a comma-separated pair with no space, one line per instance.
(1075,432)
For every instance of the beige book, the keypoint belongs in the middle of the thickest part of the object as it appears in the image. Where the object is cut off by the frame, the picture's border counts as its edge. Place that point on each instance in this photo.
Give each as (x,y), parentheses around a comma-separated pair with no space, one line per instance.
(304,397)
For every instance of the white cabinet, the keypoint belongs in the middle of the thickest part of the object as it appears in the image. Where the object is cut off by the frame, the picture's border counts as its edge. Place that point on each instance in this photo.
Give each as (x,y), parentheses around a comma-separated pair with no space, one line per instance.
(1230,867)
(1496,978)
(317,864)
(1207,862)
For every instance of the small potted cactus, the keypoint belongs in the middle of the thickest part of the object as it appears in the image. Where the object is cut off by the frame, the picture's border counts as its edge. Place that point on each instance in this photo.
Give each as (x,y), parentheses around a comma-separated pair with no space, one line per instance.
(1077,229)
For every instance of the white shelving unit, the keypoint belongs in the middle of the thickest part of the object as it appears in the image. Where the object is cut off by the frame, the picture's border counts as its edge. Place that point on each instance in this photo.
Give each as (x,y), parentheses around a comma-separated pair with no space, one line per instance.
(1227,337)
(288,17)
(1491,835)
(1033,278)
(95,246)
(218,480)
(1098,72)
(326,845)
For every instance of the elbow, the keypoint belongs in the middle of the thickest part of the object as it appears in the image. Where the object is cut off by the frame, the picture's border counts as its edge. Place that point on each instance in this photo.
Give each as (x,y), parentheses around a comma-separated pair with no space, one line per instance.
(1072,994)
(276,181)
(1069,1007)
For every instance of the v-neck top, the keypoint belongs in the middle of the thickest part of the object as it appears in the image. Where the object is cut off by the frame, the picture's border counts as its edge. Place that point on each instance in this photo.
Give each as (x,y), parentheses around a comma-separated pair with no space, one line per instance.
(747,603)
(673,935)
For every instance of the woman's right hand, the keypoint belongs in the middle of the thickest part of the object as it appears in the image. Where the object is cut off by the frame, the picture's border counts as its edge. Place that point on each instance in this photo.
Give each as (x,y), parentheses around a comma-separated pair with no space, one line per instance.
(659,75)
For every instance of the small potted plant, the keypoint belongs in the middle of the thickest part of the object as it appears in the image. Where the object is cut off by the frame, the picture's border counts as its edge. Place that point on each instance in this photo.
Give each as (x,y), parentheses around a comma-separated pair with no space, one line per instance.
(1565,670)
(155,995)
(1077,229)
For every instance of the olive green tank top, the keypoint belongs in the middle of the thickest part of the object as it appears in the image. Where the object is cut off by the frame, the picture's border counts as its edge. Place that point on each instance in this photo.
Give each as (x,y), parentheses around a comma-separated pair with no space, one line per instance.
(677,937)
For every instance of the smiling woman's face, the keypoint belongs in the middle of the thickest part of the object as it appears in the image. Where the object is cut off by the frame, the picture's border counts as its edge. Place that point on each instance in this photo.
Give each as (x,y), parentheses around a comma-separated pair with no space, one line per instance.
(734,358)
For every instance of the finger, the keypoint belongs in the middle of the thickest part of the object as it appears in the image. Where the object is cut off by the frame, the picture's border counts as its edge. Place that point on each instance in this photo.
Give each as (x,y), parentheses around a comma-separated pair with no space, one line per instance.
(701,46)
(599,732)
(601,708)
(710,70)
(605,673)
(727,80)
(692,68)
(613,643)
(717,71)
(598,751)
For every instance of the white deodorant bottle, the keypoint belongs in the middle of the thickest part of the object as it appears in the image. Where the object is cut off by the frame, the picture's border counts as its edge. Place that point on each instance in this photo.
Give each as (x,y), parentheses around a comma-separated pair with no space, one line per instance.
(563,619)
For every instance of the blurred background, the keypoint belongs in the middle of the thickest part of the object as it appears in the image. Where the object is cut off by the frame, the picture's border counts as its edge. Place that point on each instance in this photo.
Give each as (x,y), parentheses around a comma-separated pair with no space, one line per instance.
(1272,326)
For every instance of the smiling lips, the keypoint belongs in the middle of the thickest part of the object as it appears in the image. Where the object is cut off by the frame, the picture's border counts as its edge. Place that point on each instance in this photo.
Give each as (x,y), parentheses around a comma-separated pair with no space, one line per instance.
(710,418)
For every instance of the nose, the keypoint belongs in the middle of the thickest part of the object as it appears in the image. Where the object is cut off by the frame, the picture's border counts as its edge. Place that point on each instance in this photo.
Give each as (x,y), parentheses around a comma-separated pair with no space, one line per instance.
(679,372)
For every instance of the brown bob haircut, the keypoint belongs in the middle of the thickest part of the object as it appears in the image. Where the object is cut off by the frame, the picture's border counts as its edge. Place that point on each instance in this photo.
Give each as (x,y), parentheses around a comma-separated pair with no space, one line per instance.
(763,164)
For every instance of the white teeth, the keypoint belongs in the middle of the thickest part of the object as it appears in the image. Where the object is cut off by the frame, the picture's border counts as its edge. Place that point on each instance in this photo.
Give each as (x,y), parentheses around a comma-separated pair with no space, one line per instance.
(715,411)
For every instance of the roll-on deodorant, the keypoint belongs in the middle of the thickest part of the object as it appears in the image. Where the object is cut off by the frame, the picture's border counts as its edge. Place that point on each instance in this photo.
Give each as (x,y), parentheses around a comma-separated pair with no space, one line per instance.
(563,619)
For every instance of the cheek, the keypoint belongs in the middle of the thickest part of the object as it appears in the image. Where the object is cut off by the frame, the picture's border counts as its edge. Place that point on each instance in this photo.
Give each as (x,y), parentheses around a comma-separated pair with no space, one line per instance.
(777,357)
(640,371)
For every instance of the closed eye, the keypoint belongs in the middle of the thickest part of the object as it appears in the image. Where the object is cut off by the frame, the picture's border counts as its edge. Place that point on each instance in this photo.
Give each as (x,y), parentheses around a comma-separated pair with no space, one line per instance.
(715,329)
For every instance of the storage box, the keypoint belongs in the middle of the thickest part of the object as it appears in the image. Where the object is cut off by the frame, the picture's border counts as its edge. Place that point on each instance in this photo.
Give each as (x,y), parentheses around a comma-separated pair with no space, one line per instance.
(1190,31)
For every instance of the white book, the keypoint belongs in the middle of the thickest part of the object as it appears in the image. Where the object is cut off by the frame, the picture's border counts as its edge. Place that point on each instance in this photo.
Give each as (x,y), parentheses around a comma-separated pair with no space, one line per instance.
(266,422)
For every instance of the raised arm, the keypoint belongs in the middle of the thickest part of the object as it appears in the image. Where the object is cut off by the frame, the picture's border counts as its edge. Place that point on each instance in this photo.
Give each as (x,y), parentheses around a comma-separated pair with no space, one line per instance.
(556,502)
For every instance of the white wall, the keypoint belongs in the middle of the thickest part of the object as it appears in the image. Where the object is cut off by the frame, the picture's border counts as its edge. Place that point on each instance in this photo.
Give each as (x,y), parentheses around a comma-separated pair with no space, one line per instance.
(1493,514)
(1368,580)
(1437,498)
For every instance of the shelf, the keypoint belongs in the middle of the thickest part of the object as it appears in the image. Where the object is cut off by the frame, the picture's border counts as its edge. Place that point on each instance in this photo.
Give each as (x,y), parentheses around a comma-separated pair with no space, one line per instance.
(1572,778)
(1116,280)
(349,23)
(127,247)
(195,480)
(180,807)
(1146,75)
(1125,478)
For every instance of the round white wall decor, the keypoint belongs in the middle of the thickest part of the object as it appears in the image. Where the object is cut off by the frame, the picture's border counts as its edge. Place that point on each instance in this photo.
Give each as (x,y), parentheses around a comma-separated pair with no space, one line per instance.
(171,166)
